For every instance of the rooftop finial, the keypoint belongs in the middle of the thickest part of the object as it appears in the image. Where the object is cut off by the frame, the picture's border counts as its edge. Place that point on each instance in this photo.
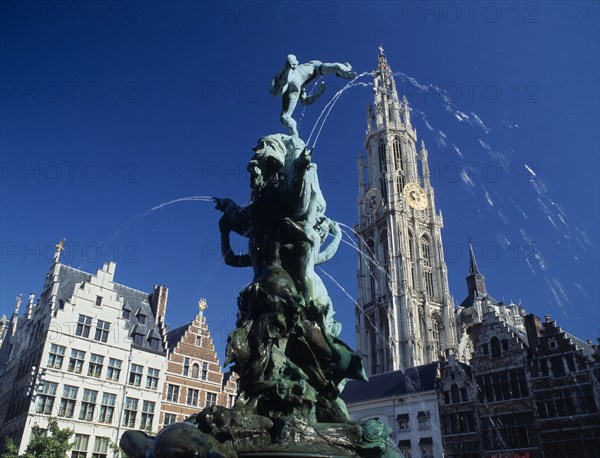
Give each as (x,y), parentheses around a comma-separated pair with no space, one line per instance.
(59,249)
(380,50)
(202,305)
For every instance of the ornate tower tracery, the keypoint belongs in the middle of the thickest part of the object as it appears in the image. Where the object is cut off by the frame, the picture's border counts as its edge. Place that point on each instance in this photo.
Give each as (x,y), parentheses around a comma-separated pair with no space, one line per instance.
(405,314)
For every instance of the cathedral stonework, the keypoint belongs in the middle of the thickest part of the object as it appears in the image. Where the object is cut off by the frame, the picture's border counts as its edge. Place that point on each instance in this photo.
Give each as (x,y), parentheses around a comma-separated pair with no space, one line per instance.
(405,314)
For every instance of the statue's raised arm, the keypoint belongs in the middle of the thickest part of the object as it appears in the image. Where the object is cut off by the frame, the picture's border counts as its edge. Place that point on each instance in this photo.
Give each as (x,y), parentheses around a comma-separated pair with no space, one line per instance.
(290,83)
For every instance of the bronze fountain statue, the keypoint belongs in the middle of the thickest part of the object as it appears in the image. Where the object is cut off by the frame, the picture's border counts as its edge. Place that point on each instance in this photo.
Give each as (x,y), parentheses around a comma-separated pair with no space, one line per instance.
(291,364)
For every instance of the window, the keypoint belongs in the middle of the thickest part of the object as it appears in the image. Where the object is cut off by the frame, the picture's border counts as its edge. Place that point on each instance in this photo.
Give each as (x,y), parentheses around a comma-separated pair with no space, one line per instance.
(76,361)
(169,419)
(98,301)
(446,397)
(557,365)
(464,395)
(147,415)
(138,339)
(426,451)
(429,282)
(95,367)
(504,345)
(84,324)
(67,403)
(454,391)
(495,344)
(230,401)
(113,371)
(570,362)
(371,267)
(485,349)
(88,404)
(404,446)
(100,447)
(154,343)
(131,406)
(45,398)
(397,154)
(411,253)
(198,341)
(211,399)
(192,397)
(382,158)
(141,318)
(126,314)
(80,446)
(204,374)
(135,376)
(426,251)
(403,422)
(544,367)
(186,366)
(552,344)
(152,379)
(173,393)
(56,356)
(107,408)
(424,420)
(102,329)
(195,370)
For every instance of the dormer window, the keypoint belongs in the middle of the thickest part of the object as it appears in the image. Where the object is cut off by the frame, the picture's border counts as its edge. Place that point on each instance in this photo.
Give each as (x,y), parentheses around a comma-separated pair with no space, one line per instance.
(126,314)
(138,339)
(141,318)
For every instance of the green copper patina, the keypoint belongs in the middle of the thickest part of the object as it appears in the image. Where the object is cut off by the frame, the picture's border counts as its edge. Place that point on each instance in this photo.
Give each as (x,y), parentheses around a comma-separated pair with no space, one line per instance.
(292,366)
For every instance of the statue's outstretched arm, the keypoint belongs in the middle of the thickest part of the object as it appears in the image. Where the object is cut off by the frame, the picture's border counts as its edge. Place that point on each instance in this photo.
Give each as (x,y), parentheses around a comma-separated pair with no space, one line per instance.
(341,70)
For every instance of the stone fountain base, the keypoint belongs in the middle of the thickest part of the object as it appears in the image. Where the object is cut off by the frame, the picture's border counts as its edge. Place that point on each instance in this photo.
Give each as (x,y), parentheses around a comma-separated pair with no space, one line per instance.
(218,432)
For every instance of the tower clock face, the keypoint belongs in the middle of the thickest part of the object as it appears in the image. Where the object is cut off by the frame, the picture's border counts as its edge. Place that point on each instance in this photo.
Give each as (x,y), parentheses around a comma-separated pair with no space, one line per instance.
(372,201)
(415,196)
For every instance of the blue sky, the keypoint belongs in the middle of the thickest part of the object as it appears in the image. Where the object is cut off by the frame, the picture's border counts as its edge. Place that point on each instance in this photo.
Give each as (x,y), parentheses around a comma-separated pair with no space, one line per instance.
(109,109)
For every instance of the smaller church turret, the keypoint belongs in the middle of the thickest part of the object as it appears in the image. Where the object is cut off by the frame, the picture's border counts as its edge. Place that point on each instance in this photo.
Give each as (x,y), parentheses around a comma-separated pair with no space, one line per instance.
(475,279)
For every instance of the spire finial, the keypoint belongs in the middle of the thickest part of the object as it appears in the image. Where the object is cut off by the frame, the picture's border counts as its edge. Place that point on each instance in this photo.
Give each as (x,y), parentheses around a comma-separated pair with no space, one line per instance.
(473,269)
(18,305)
(380,50)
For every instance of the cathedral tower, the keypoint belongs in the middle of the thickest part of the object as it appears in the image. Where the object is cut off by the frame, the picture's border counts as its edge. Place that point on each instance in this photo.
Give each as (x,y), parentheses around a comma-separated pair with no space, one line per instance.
(405,315)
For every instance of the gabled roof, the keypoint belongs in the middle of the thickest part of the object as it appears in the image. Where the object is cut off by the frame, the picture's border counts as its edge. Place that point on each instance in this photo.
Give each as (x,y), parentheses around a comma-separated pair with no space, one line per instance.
(68,277)
(474,295)
(390,384)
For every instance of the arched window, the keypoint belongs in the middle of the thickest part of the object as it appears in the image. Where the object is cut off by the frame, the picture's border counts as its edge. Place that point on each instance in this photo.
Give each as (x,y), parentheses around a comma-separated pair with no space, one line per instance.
(383,243)
(397,154)
(411,255)
(195,370)
(382,158)
(495,344)
(454,391)
(371,267)
(426,251)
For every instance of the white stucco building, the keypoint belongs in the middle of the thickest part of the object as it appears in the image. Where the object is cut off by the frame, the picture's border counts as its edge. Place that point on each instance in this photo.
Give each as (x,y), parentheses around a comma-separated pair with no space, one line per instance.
(91,353)
(406,401)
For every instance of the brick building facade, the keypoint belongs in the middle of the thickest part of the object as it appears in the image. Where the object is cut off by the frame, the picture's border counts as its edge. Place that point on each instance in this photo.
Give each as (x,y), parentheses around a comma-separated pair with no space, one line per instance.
(194,379)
